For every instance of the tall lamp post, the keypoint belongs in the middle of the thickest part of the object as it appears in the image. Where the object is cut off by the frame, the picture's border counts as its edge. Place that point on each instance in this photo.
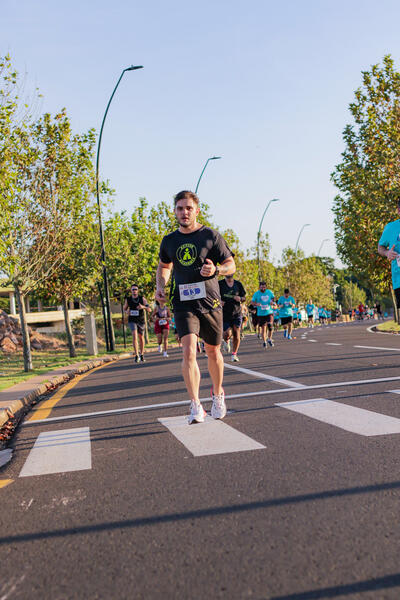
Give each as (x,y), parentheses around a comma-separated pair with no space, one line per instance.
(259,235)
(204,168)
(298,238)
(322,243)
(108,328)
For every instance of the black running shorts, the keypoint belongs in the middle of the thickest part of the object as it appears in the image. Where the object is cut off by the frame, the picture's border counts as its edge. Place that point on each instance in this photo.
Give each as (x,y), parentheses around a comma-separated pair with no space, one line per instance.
(286,320)
(207,326)
(265,319)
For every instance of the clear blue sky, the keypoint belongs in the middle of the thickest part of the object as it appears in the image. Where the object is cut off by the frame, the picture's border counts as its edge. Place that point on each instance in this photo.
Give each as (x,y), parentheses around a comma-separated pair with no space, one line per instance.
(266,85)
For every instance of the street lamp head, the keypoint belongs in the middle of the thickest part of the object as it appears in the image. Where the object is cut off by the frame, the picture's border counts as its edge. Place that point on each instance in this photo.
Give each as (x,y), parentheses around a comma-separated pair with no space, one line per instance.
(215,157)
(132,68)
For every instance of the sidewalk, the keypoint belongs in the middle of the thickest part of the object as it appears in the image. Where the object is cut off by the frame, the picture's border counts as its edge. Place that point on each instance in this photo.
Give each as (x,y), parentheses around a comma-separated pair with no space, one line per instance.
(18,398)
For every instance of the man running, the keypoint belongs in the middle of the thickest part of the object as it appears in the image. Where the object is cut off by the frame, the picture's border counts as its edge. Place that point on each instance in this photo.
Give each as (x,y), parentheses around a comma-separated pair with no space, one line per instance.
(286,304)
(193,251)
(389,247)
(134,307)
(263,299)
(161,316)
(310,309)
(232,295)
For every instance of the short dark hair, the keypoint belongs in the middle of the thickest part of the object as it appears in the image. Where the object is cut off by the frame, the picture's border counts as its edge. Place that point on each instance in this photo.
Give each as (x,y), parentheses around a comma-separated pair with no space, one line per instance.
(134,285)
(186,194)
(286,291)
(262,283)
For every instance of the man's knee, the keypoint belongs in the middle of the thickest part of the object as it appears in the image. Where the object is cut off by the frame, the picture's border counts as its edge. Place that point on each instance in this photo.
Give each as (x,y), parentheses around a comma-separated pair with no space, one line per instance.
(213,352)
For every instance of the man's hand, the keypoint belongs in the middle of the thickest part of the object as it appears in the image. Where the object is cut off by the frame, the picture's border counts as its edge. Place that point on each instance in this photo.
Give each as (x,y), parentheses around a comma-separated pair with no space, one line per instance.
(208,269)
(237,298)
(391,253)
(160,295)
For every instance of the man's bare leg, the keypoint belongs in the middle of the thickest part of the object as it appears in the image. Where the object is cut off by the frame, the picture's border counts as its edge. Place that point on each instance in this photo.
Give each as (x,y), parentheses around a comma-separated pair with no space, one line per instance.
(236,339)
(215,367)
(190,368)
(134,342)
(141,342)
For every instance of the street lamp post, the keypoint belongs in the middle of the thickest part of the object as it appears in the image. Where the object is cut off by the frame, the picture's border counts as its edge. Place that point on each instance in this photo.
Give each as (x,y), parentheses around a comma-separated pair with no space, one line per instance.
(322,243)
(109,333)
(259,234)
(298,238)
(204,168)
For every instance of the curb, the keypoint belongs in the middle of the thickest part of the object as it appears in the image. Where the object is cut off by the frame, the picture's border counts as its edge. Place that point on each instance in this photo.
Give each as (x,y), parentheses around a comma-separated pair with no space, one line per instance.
(373,329)
(19,407)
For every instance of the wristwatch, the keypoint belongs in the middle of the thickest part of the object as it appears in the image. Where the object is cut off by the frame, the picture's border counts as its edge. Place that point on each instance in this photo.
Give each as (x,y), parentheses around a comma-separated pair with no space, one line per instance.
(216,271)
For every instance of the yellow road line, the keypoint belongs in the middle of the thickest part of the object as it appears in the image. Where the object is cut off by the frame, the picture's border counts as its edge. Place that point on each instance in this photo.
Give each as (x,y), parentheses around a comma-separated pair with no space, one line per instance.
(45,408)
(4,482)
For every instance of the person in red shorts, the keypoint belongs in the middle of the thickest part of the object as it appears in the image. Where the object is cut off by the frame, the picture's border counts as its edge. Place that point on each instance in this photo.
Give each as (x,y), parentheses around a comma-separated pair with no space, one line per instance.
(162,316)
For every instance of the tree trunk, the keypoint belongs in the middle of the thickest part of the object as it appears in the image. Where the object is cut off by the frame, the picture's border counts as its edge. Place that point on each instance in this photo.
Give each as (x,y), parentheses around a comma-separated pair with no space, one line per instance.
(395,311)
(24,328)
(68,329)
(146,328)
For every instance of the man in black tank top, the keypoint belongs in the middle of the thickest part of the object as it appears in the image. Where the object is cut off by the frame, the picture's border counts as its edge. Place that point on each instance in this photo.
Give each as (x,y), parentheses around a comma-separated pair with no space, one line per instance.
(134,308)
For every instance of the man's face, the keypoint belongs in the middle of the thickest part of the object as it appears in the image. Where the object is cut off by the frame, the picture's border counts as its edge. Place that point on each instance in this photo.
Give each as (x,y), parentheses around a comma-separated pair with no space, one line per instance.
(229,278)
(263,287)
(186,211)
(134,291)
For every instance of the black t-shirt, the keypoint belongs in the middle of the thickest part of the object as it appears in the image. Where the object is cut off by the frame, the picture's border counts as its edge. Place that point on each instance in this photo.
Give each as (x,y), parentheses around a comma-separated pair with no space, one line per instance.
(188,252)
(231,307)
(136,315)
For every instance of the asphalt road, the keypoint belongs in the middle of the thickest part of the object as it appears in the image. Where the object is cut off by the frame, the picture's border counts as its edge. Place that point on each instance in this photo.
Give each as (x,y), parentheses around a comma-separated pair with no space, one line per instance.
(312,512)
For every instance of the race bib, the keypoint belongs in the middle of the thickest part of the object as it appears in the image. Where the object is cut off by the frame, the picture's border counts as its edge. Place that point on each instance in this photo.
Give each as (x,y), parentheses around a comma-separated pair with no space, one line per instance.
(134,313)
(162,321)
(192,291)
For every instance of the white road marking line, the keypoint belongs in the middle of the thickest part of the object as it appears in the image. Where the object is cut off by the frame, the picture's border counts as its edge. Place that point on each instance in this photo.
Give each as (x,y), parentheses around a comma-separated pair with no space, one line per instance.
(332,344)
(378,348)
(393,391)
(292,384)
(349,418)
(210,437)
(58,452)
(312,340)
(129,409)
(5,457)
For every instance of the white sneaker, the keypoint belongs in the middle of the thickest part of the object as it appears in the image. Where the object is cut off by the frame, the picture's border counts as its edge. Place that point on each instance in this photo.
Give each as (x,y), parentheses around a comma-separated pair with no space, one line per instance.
(160,349)
(234,358)
(197,413)
(165,354)
(218,409)
(226,346)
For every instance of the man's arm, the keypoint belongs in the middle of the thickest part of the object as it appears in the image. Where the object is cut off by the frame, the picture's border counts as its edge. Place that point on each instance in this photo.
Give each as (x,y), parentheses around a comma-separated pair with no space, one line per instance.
(388,253)
(162,276)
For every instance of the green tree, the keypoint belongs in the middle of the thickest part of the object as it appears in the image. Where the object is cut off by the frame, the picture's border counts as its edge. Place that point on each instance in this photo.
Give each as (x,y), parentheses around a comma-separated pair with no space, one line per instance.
(73,182)
(368,178)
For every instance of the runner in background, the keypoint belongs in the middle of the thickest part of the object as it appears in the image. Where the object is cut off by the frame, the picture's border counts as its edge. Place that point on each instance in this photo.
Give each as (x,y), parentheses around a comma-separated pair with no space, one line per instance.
(263,299)
(232,296)
(254,319)
(310,309)
(276,319)
(134,307)
(286,303)
(161,316)
(389,247)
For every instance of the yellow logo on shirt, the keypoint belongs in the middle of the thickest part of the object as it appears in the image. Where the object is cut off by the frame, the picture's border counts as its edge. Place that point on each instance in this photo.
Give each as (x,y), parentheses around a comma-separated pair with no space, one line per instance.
(186,254)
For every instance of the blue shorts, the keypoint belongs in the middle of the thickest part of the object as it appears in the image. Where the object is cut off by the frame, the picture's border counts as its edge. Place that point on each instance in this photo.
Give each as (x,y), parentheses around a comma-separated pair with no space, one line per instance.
(233,322)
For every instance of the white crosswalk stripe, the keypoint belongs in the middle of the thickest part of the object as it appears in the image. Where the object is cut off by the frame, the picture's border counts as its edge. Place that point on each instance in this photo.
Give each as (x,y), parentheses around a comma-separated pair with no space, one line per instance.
(58,452)
(350,418)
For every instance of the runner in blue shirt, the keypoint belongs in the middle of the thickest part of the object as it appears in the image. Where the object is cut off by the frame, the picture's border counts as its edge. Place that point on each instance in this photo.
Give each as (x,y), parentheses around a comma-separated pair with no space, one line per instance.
(286,303)
(389,246)
(276,319)
(263,299)
(310,308)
